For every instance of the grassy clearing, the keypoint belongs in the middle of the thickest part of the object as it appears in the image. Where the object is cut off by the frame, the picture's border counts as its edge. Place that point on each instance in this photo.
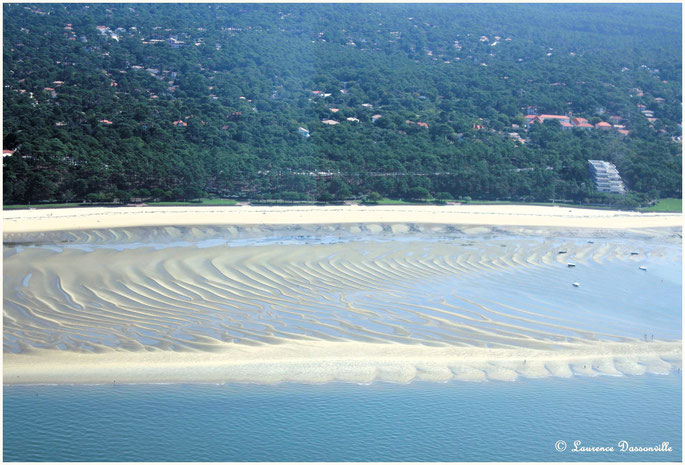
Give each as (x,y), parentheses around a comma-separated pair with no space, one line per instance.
(510,202)
(663,205)
(385,201)
(541,204)
(218,202)
(203,202)
(41,205)
(71,205)
(666,205)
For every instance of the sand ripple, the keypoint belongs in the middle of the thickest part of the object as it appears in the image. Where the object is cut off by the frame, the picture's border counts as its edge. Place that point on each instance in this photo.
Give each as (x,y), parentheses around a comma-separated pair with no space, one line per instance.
(206,299)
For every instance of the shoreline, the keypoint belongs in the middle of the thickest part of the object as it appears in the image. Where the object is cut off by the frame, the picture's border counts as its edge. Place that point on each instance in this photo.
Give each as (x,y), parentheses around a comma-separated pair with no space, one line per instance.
(308,360)
(318,362)
(48,220)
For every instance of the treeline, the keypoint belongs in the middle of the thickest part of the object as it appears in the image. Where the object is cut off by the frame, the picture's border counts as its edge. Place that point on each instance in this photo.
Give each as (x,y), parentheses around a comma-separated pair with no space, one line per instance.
(176,101)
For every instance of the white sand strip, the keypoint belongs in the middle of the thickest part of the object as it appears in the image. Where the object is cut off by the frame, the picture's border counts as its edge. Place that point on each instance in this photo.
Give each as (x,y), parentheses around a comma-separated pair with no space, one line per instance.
(323,361)
(42,220)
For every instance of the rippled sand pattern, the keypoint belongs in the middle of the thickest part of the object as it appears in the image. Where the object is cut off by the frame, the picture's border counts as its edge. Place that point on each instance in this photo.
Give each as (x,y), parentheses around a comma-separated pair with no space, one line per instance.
(202,290)
(189,298)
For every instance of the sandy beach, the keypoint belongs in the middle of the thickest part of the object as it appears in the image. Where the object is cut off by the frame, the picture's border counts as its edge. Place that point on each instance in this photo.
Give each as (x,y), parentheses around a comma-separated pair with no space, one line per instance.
(324,361)
(41,220)
(435,293)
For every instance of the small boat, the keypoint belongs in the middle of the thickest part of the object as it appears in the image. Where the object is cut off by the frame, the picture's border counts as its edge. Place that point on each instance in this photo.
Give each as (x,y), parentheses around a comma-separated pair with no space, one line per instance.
(562,251)
(576,284)
(643,268)
(634,253)
(590,242)
(571,265)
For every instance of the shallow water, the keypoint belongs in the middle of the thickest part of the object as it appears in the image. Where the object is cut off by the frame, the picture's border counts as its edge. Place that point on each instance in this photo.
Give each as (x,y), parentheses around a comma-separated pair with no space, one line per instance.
(454,421)
(171,287)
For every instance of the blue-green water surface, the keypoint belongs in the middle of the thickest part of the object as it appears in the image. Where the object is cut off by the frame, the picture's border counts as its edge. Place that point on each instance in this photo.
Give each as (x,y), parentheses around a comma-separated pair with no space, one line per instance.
(421,421)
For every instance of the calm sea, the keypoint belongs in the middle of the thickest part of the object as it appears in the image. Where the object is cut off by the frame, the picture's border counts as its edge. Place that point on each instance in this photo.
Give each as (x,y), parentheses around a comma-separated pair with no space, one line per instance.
(454,421)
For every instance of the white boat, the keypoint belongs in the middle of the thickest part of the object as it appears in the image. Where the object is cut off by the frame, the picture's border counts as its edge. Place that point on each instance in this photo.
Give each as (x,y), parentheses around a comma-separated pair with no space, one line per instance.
(643,268)
(576,284)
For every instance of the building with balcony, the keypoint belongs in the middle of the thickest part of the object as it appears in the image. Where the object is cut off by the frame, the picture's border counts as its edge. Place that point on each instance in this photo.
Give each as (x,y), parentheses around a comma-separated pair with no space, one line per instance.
(606,177)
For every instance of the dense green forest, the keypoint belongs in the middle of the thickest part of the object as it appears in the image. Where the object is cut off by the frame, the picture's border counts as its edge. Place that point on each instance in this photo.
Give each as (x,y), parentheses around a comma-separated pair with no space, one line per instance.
(172,101)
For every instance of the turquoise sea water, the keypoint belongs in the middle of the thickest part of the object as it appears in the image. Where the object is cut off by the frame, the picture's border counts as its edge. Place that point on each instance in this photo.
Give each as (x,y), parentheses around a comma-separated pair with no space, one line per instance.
(454,421)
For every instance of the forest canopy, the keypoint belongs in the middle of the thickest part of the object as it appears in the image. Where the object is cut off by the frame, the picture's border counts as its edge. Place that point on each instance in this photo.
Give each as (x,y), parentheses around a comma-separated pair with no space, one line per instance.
(329,102)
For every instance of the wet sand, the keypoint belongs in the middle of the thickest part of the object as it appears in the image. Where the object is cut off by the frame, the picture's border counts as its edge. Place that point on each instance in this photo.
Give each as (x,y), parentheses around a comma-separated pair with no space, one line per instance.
(358,362)
(381,302)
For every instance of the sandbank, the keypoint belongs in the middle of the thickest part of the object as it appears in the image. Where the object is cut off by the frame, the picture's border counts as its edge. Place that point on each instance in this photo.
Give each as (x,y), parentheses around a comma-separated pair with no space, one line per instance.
(346,311)
(324,361)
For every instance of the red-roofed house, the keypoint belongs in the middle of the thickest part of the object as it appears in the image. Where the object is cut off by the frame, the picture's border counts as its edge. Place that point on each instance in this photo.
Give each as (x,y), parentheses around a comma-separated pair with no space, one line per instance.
(530,119)
(423,125)
(603,125)
(566,125)
(624,132)
(8,153)
(615,119)
(106,121)
(559,118)
(579,121)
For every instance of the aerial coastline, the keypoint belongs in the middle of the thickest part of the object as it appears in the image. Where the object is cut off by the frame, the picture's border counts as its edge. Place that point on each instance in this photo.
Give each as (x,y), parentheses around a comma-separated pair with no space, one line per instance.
(170,289)
(342,233)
